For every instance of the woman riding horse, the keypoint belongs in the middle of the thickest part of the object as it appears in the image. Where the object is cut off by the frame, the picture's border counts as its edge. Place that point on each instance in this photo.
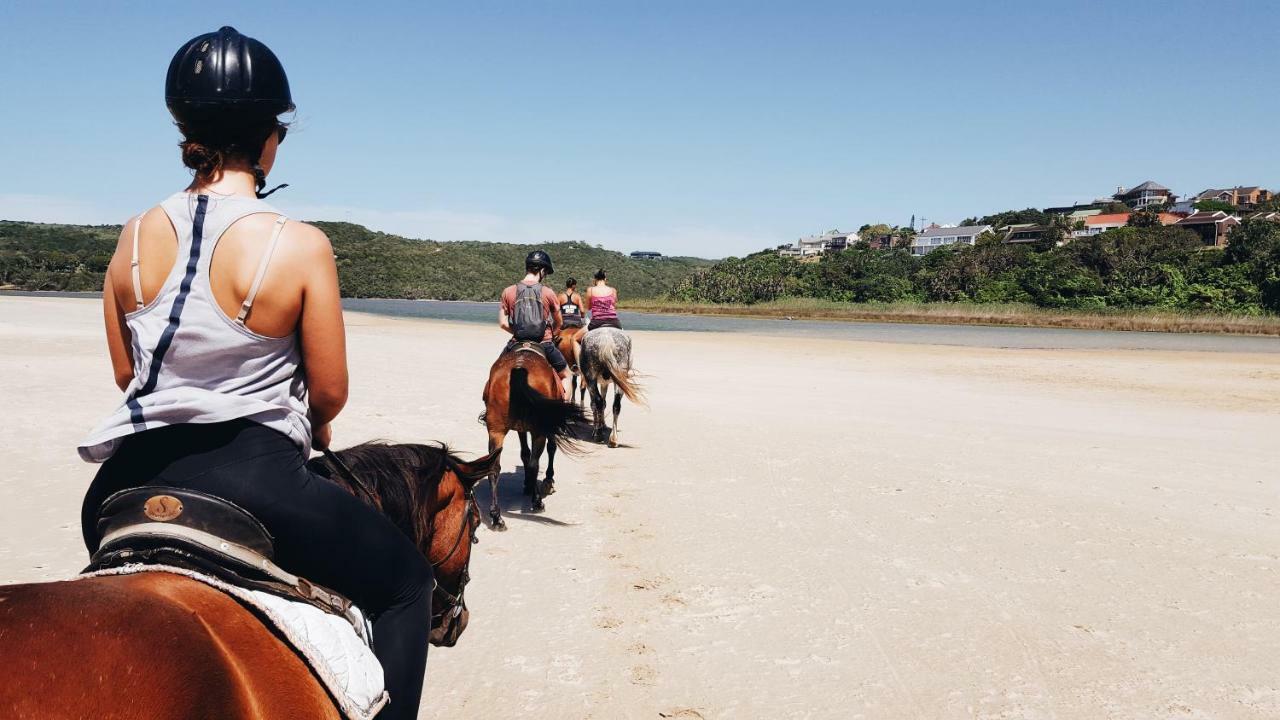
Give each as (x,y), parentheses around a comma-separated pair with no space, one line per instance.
(570,343)
(224,326)
(604,303)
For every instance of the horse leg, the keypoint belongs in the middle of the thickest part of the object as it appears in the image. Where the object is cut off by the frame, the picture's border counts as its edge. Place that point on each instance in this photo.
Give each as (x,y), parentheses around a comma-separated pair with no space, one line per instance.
(597,408)
(617,410)
(526,457)
(524,447)
(531,474)
(495,512)
(549,487)
(579,377)
(602,428)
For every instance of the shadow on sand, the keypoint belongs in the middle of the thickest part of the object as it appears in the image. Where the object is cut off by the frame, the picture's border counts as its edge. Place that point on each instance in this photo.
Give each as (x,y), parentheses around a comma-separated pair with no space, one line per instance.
(513,502)
(585,433)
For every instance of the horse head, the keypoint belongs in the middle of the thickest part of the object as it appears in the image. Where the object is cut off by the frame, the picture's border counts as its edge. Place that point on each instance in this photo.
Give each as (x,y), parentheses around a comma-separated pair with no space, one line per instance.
(454,521)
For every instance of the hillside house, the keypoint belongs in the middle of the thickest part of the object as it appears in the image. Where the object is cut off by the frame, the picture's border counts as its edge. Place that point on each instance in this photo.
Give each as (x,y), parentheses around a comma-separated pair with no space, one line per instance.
(1244,198)
(1145,195)
(1212,227)
(1096,224)
(935,237)
(816,245)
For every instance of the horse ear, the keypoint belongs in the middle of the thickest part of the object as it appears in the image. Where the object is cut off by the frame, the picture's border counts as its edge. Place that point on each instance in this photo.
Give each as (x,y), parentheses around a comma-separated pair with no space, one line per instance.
(470,473)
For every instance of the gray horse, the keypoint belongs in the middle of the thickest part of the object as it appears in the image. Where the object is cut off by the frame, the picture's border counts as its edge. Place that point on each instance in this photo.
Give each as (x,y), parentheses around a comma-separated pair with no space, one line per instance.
(606,357)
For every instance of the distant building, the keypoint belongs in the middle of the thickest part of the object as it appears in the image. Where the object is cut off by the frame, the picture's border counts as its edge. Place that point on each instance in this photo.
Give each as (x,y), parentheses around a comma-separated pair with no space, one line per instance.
(1025,233)
(1145,195)
(1268,216)
(646,255)
(1081,209)
(816,245)
(1244,198)
(934,237)
(1096,224)
(1212,227)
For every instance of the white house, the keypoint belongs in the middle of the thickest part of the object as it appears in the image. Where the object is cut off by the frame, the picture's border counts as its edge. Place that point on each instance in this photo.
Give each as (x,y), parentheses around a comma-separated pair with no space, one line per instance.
(813,245)
(932,238)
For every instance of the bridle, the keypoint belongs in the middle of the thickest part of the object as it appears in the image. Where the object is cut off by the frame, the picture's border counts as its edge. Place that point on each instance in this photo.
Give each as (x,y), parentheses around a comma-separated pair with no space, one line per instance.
(453,601)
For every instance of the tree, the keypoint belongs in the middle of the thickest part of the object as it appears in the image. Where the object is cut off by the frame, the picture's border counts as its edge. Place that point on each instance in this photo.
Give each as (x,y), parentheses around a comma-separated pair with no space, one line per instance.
(1270,205)
(871,232)
(1146,217)
(1213,206)
(999,220)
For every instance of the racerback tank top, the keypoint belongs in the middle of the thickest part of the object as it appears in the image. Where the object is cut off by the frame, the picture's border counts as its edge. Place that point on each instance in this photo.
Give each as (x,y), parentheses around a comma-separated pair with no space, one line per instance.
(604,307)
(191,362)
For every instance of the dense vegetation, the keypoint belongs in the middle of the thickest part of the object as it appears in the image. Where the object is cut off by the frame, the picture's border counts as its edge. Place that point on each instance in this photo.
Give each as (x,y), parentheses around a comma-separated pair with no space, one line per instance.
(35,256)
(1127,268)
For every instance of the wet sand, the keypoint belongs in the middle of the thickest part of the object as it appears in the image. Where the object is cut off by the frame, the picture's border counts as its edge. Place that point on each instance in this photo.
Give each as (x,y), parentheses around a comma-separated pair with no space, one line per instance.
(802,528)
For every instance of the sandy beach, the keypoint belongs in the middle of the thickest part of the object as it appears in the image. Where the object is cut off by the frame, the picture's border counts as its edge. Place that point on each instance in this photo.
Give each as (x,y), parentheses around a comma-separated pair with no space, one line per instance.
(801,528)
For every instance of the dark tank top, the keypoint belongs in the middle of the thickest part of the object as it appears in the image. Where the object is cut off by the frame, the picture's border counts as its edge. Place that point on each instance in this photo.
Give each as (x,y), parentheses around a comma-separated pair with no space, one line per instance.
(571,309)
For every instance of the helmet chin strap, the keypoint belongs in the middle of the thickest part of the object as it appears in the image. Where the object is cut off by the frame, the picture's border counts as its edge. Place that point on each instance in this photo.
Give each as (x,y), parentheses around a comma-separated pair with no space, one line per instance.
(260,180)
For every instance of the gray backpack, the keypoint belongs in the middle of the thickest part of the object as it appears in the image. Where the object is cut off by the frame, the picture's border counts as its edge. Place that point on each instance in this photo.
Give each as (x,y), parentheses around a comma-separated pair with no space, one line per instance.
(529,320)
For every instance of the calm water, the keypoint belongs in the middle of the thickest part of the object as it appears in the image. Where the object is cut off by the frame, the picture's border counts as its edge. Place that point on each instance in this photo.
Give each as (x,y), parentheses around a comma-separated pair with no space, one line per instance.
(965,335)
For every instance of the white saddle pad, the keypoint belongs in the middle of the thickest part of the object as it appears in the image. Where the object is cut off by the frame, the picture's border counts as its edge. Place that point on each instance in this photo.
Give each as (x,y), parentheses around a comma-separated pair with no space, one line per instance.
(338,656)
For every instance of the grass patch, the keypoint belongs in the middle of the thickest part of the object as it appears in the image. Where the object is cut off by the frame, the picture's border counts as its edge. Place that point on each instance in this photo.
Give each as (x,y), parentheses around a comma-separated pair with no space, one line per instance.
(1010,314)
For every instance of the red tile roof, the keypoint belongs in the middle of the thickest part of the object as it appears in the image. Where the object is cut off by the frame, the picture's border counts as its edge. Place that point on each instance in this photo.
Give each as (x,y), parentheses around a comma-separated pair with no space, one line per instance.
(1111,219)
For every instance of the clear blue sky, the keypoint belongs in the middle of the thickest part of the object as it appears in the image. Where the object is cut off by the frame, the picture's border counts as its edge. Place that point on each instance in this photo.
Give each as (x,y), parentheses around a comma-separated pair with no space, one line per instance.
(707,128)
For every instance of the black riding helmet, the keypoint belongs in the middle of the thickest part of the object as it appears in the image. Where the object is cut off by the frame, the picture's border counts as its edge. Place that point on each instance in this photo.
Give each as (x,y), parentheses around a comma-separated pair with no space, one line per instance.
(539,258)
(230,82)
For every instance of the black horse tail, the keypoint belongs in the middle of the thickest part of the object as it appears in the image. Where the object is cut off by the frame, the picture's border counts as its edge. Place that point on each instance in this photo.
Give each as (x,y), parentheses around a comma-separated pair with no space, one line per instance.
(552,418)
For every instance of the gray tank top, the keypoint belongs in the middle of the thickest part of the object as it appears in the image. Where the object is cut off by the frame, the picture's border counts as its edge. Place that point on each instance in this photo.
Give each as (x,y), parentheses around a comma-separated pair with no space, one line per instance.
(191,362)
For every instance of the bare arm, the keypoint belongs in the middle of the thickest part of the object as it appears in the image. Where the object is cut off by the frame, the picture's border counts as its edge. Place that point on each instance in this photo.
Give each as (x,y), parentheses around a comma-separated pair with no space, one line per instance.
(323,335)
(557,319)
(118,337)
(504,322)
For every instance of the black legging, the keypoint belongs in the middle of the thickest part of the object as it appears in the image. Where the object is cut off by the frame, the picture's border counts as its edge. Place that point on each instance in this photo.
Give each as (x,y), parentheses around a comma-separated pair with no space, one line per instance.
(604,322)
(321,532)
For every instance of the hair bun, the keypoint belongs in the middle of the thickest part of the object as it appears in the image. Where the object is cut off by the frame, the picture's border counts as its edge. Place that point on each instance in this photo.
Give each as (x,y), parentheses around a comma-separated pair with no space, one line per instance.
(206,161)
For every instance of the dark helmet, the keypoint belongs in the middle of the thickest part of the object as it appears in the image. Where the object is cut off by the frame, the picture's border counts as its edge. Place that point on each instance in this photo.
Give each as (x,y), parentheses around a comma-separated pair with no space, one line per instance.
(539,258)
(226,75)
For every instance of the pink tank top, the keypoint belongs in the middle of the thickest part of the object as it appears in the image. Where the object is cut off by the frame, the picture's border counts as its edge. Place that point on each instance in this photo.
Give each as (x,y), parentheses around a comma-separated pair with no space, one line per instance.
(604,307)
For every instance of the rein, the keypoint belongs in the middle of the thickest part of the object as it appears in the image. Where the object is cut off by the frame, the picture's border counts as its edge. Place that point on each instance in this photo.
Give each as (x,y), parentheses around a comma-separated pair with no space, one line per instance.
(356,482)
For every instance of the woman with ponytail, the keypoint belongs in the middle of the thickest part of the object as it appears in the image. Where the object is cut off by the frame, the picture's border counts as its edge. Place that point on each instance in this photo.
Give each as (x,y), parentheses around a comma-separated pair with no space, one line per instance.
(224,327)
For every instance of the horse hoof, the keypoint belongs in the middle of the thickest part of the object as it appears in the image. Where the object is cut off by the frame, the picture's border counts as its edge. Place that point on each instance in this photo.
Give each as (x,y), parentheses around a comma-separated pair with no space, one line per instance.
(498,523)
(548,488)
(613,442)
(537,506)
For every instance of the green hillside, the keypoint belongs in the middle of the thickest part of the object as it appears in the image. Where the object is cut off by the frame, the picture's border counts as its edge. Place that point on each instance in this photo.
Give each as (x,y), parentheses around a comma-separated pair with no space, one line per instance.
(36,256)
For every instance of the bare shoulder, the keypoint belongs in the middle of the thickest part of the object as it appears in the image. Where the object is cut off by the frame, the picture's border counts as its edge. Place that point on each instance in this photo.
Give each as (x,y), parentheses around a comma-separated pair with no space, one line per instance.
(302,240)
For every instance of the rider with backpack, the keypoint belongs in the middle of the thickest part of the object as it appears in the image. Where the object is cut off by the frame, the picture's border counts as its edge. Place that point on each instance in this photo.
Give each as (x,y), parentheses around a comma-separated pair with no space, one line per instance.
(531,312)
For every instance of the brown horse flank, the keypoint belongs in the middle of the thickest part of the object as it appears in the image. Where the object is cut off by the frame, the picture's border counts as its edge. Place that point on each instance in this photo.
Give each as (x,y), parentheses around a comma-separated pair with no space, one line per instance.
(570,346)
(165,647)
(524,394)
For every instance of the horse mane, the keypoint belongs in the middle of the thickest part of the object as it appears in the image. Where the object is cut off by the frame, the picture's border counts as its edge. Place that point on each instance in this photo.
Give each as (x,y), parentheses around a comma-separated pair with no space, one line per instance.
(402,476)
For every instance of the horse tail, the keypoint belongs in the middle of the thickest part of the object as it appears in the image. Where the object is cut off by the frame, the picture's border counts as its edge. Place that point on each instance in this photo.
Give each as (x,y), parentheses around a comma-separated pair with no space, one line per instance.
(618,372)
(551,418)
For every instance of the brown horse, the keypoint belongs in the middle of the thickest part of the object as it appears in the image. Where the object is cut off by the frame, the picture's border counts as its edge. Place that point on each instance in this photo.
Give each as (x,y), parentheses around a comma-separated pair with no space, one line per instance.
(165,647)
(570,345)
(524,394)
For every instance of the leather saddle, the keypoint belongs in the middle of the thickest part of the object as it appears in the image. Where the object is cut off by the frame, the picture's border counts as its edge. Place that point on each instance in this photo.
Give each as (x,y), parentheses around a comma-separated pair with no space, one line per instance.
(157,525)
(526,346)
